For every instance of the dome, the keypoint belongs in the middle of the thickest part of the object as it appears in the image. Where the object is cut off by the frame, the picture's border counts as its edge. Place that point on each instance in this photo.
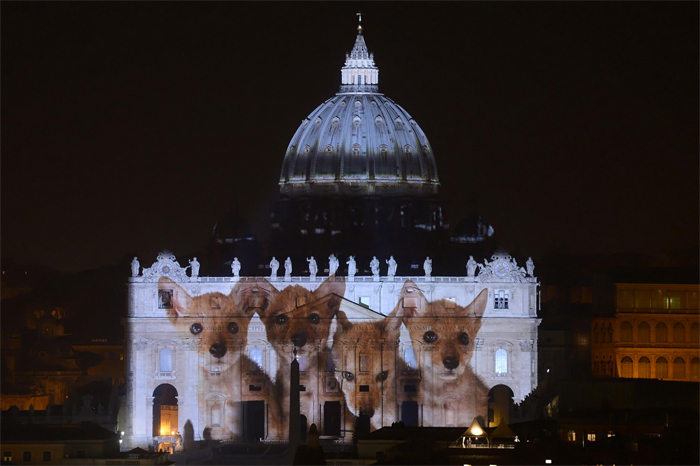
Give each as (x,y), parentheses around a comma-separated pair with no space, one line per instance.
(359,142)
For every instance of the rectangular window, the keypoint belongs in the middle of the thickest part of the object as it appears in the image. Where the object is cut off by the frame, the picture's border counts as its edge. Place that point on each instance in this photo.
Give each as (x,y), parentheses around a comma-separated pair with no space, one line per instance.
(301,359)
(500,299)
(27,456)
(409,388)
(625,299)
(590,437)
(7,456)
(46,457)
(254,388)
(642,299)
(364,363)
(571,436)
(364,388)
(676,299)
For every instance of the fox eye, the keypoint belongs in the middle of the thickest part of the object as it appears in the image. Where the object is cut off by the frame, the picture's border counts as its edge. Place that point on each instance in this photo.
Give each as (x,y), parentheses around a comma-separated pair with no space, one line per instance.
(463,338)
(383,376)
(232,327)
(281,319)
(314,318)
(196,328)
(430,337)
(349,376)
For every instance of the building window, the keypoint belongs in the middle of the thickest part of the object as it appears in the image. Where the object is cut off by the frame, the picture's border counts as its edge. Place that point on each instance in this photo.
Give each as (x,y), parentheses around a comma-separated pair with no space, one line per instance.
(661,368)
(46,457)
(679,368)
(301,359)
(695,369)
(166,360)
(500,299)
(364,301)
(676,299)
(695,333)
(7,457)
(644,368)
(501,362)
(256,360)
(661,333)
(626,366)
(590,437)
(571,436)
(626,332)
(644,333)
(27,456)
(364,363)
(216,415)
(409,356)
(679,333)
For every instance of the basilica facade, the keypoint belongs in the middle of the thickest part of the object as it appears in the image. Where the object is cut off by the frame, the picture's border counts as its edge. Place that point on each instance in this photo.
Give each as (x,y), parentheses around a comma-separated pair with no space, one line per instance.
(209,357)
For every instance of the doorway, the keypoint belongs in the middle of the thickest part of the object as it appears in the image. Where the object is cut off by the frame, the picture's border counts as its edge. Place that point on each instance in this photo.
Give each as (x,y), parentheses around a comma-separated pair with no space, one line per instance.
(331,418)
(254,420)
(409,413)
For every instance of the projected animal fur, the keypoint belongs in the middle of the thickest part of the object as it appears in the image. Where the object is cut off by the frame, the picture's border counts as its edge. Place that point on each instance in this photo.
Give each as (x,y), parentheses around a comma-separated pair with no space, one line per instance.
(443,337)
(219,322)
(297,317)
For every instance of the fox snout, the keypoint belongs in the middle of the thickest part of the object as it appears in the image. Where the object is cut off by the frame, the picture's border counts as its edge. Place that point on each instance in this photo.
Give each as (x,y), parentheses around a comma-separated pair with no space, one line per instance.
(450,362)
(218,349)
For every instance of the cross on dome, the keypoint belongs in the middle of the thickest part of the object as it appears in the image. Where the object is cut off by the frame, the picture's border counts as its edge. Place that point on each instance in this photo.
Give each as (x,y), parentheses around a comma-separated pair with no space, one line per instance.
(359,73)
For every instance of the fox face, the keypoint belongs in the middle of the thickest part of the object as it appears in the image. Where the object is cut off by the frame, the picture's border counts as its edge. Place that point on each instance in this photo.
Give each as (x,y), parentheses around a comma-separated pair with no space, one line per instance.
(296,315)
(218,320)
(367,375)
(446,330)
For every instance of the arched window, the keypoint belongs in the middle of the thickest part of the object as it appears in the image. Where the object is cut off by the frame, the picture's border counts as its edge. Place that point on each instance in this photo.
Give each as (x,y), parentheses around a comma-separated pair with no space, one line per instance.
(661,368)
(695,369)
(679,368)
(626,332)
(409,356)
(256,359)
(216,415)
(166,360)
(644,368)
(501,362)
(661,333)
(626,369)
(355,149)
(695,333)
(679,333)
(643,333)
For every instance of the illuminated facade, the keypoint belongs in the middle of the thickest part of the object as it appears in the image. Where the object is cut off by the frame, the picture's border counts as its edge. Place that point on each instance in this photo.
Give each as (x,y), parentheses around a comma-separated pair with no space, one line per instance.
(654,333)
(376,348)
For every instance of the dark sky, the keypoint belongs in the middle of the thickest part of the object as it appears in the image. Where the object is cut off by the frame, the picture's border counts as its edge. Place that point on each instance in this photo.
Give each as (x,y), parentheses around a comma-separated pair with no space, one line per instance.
(132,127)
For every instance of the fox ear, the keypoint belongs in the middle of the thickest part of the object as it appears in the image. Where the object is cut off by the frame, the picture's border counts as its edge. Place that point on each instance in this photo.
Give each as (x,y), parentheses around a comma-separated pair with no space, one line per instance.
(343,323)
(253,296)
(332,285)
(477,307)
(412,302)
(181,300)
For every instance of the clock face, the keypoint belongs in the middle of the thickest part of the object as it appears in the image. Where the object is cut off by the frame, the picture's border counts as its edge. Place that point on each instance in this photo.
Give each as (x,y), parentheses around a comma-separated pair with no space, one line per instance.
(501,269)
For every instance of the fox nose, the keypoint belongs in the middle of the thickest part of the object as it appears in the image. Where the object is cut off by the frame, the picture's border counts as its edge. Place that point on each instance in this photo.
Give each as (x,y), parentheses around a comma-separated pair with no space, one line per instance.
(450,362)
(369,412)
(218,350)
(299,339)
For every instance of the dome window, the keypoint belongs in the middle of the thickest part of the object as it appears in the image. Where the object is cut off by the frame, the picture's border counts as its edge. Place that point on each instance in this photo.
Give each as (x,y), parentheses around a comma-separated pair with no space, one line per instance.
(329,149)
(374,104)
(335,121)
(318,121)
(379,120)
(358,104)
(355,149)
(407,149)
(341,103)
(398,123)
(426,151)
(356,121)
(307,149)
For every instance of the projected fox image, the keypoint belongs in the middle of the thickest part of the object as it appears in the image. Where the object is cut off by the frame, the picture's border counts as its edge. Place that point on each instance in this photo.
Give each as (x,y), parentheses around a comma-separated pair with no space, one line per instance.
(219,322)
(443,336)
(297,318)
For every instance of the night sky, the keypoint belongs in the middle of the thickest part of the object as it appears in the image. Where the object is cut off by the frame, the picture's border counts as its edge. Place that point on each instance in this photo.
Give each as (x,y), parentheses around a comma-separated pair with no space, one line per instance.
(129,128)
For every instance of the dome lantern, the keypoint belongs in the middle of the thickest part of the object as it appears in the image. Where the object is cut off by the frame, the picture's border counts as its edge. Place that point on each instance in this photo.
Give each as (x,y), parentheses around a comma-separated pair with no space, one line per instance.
(359,73)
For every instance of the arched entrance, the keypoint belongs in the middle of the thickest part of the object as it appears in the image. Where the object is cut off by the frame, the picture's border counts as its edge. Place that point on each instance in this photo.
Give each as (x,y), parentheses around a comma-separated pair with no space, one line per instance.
(500,405)
(165,417)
